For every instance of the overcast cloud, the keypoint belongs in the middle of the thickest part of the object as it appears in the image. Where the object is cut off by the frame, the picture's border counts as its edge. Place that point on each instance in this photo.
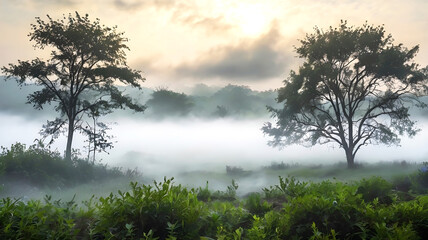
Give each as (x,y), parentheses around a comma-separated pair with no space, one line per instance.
(181,43)
(249,61)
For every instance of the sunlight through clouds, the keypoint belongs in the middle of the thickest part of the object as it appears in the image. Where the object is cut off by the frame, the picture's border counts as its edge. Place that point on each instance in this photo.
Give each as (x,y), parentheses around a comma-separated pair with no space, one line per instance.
(166,35)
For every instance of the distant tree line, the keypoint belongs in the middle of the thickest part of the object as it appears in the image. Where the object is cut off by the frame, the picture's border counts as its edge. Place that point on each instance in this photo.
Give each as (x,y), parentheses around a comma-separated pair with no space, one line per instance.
(230,101)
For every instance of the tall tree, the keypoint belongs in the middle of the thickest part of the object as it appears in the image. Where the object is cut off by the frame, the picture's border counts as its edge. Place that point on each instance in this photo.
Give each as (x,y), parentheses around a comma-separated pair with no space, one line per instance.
(87,61)
(354,88)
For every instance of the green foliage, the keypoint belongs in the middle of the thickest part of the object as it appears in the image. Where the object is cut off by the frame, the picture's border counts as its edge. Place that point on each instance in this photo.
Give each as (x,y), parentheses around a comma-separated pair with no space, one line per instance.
(229,220)
(351,78)
(166,103)
(322,211)
(375,187)
(256,205)
(35,220)
(420,180)
(320,236)
(402,183)
(288,188)
(204,194)
(87,60)
(164,209)
(291,187)
(42,167)
(228,195)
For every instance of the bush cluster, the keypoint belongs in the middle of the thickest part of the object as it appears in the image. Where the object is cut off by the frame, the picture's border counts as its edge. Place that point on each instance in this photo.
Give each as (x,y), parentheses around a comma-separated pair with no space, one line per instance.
(368,209)
(42,167)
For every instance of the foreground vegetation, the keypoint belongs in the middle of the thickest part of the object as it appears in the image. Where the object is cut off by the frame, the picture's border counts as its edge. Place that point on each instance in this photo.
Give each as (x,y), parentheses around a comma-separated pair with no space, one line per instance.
(370,208)
(320,208)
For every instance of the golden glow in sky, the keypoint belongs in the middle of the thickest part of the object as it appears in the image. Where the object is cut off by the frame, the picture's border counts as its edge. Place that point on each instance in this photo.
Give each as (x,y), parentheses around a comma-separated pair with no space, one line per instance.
(185,42)
(251,19)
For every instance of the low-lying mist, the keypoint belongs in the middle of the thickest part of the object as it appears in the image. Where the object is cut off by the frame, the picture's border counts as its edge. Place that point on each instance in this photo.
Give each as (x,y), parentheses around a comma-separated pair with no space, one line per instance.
(166,147)
(209,129)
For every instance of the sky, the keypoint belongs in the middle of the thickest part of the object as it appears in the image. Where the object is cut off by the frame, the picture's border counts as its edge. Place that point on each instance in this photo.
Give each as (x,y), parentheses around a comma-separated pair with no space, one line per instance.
(177,44)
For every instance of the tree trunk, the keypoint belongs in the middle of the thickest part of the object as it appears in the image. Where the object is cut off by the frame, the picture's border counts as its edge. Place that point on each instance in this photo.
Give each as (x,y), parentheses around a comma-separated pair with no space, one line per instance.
(350,158)
(94,140)
(69,139)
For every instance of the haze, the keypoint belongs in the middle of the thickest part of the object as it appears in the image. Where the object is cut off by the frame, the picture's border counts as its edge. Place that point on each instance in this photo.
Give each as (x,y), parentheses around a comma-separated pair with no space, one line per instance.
(182,44)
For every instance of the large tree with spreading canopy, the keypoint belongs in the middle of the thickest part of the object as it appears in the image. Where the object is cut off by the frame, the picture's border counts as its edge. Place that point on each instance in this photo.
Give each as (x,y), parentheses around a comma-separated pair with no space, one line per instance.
(86,64)
(354,88)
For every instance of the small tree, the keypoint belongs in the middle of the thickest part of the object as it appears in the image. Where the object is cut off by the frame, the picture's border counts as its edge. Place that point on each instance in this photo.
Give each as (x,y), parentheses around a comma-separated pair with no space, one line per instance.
(354,88)
(96,131)
(86,62)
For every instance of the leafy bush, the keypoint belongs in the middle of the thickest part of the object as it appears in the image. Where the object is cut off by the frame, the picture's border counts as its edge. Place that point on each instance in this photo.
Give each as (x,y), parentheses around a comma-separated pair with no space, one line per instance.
(325,210)
(165,209)
(228,219)
(228,195)
(375,187)
(420,180)
(288,188)
(256,206)
(204,194)
(45,168)
(34,220)
(402,183)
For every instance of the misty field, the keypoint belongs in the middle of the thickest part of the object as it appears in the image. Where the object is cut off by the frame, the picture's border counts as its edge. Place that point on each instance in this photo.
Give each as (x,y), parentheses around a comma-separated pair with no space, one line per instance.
(277,201)
(329,209)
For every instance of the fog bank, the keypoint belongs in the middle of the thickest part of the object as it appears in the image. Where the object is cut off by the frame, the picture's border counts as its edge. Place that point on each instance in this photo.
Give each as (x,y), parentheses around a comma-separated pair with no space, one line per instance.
(166,147)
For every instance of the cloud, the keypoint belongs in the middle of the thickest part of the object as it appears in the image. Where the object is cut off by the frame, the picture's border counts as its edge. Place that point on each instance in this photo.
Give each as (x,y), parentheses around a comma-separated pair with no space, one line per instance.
(249,61)
(187,13)
(64,3)
(132,5)
(210,24)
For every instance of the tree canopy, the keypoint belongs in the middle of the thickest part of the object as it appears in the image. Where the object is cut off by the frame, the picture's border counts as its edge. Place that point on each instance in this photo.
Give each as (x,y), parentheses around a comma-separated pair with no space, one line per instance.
(87,62)
(164,102)
(354,88)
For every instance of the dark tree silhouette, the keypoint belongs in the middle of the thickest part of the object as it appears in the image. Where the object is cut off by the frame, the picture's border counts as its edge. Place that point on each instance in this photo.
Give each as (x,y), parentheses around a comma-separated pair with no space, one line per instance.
(169,103)
(86,62)
(354,88)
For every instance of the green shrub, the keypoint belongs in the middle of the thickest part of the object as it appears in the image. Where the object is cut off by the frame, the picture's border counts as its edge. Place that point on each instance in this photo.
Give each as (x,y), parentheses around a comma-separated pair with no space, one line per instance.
(412,213)
(164,209)
(42,167)
(326,213)
(375,187)
(291,187)
(271,226)
(256,206)
(228,219)
(228,195)
(420,180)
(204,194)
(34,220)
(402,183)
(319,211)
